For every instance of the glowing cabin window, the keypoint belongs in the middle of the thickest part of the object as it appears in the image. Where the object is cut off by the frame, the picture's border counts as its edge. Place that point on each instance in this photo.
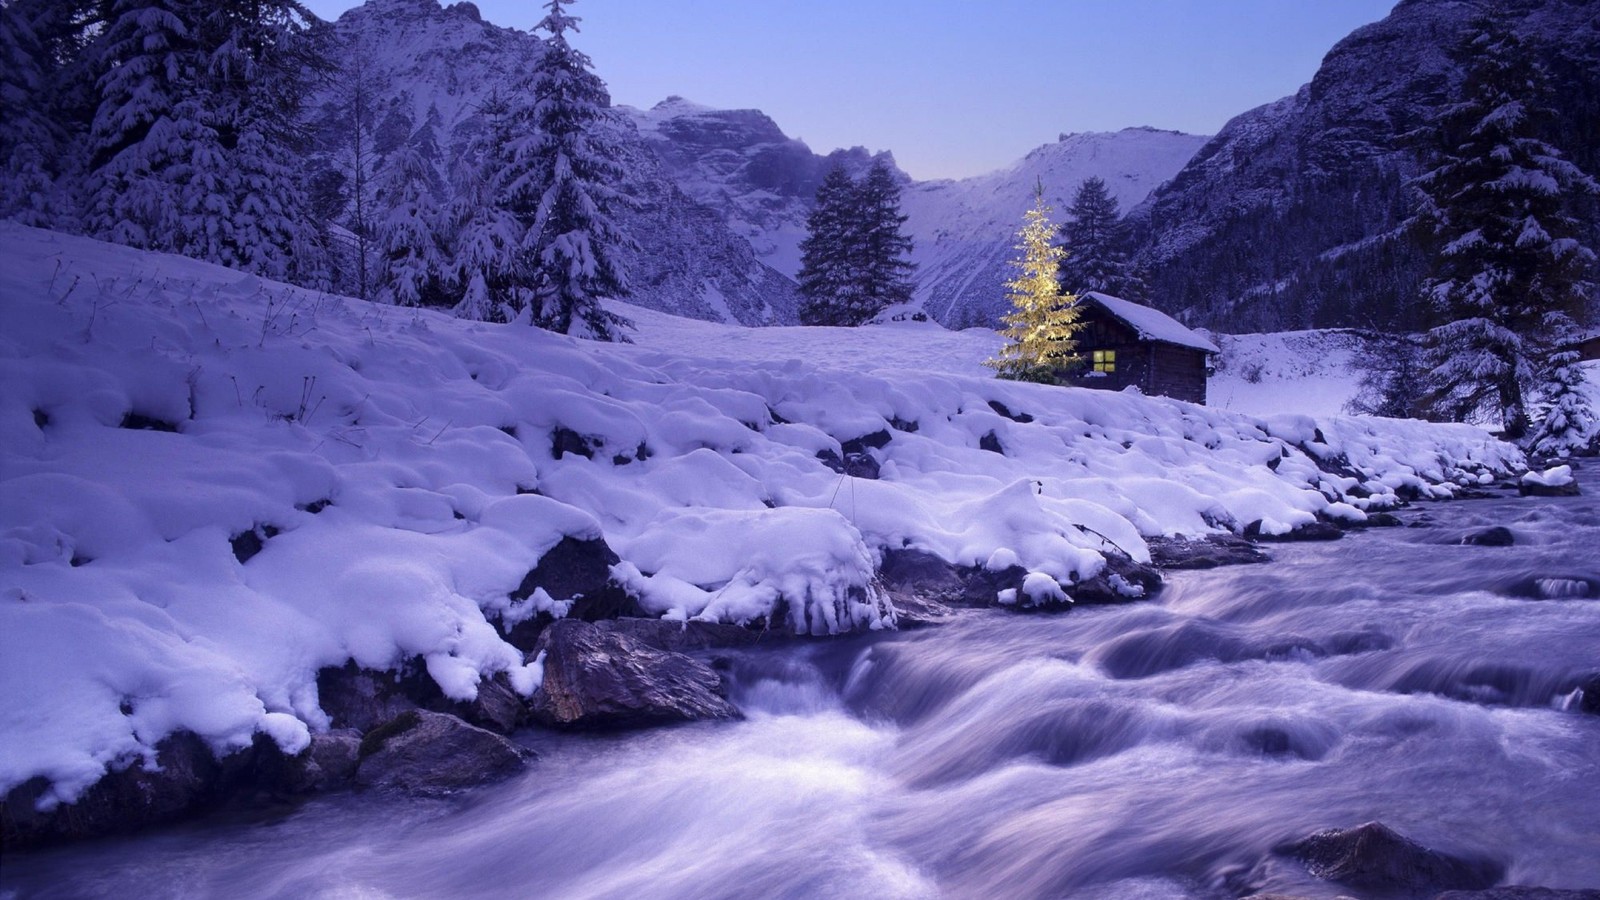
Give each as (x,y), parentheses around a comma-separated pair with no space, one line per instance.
(1105,360)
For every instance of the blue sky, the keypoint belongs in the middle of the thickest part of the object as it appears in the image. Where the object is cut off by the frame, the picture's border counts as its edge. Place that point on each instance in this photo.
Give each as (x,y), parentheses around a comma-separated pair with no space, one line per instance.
(955,87)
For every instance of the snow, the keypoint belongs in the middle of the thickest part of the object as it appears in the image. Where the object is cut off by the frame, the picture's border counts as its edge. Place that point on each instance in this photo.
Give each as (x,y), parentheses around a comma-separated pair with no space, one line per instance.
(399,466)
(1557,476)
(1152,324)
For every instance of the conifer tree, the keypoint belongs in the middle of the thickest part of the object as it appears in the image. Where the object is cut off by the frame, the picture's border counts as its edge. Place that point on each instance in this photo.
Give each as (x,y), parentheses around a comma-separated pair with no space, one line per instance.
(1041,327)
(1094,260)
(828,280)
(885,271)
(1567,423)
(412,263)
(1508,271)
(38,40)
(558,185)
(853,261)
(484,267)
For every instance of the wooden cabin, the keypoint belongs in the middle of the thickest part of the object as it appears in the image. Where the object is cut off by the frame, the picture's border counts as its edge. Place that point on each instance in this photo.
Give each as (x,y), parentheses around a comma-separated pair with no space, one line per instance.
(1125,345)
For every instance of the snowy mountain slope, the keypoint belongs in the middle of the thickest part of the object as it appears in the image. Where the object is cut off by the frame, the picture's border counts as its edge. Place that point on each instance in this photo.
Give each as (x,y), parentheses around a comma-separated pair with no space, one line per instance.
(420,61)
(964,230)
(741,163)
(399,471)
(1290,218)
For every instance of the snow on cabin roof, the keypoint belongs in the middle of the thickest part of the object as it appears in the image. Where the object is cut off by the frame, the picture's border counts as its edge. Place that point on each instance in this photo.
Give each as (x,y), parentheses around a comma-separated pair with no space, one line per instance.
(1152,325)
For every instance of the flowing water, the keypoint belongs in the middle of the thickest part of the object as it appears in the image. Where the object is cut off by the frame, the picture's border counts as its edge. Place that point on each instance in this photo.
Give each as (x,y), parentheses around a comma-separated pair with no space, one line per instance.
(1159,749)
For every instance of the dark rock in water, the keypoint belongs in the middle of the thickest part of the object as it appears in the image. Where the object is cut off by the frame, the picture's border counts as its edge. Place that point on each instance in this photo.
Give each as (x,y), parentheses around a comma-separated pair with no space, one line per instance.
(1376,858)
(125,800)
(981,587)
(1120,581)
(1498,536)
(432,753)
(1204,553)
(1533,489)
(498,707)
(328,764)
(685,637)
(1377,520)
(598,678)
(578,570)
(1589,695)
(922,586)
(1315,531)
(1520,892)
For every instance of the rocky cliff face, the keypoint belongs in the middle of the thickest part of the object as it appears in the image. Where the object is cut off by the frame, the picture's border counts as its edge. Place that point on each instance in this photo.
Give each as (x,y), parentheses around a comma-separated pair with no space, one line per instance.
(742,164)
(421,61)
(1292,216)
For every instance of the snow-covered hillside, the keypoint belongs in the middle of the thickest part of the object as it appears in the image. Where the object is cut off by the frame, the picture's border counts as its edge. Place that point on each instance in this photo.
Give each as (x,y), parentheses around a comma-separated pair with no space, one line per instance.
(965,230)
(213,486)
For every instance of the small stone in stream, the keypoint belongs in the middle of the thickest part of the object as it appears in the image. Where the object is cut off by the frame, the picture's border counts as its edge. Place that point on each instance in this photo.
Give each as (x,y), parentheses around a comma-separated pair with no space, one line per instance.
(1589,695)
(1203,553)
(1313,531)
(598,678)
(1376,858)
(425,752)
(1498,536)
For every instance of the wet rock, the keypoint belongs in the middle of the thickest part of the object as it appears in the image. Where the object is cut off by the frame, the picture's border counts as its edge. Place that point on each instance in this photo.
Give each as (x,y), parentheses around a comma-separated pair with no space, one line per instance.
(125,800)
(1314,531)
(923,578)
(1498,536)
(599,678)
(1520,892)
(328,764)
(1589,695)
(363,699)
(1376,858)
(1121,581)
(426,752)
(1377,520)
(981,587)
(1203,553)
(684,637)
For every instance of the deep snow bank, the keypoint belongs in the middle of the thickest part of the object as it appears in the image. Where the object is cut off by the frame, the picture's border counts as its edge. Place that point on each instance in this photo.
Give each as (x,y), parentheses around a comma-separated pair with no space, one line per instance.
(397,470)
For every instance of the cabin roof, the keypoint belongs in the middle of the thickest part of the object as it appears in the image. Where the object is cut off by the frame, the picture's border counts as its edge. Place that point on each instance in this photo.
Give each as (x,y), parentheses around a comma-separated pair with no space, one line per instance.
(1150,324)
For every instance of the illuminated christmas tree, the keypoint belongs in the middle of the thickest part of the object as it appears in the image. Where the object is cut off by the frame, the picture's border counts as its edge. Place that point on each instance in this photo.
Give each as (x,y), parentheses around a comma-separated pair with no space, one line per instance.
(1041,326)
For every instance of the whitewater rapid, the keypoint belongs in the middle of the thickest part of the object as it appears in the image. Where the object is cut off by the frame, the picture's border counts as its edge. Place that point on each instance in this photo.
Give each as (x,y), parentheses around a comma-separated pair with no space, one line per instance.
(1158,749)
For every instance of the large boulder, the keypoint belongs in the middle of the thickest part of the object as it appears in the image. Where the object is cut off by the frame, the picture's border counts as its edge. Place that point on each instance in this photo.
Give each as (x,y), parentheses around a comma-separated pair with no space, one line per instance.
(576,571)
(1120,581)
(1374,857)
(183,780)
(424,752)
(922,587)
(1496,536)
(596,677)
(363,699)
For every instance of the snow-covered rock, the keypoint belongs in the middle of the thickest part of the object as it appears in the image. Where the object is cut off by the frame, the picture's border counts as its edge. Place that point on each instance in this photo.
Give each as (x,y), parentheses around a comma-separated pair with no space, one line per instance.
(397,469)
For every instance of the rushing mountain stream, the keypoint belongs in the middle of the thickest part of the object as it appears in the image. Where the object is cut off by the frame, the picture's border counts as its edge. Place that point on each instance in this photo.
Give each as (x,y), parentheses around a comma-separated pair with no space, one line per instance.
(1157,749)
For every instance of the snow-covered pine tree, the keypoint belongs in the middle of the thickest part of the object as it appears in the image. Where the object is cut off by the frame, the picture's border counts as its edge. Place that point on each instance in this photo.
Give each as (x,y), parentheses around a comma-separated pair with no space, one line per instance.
(1508,272)
(1567,422)
(260,57)
(1390,366)
(829,282)
(1043,323)
(38,44)
(558,184)
(482,269)
(884,269)
(412,254)
(1094,260)
(147,127)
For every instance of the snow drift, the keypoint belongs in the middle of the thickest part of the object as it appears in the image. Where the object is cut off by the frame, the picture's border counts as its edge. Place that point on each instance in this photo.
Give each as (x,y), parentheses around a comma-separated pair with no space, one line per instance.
(212,486)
